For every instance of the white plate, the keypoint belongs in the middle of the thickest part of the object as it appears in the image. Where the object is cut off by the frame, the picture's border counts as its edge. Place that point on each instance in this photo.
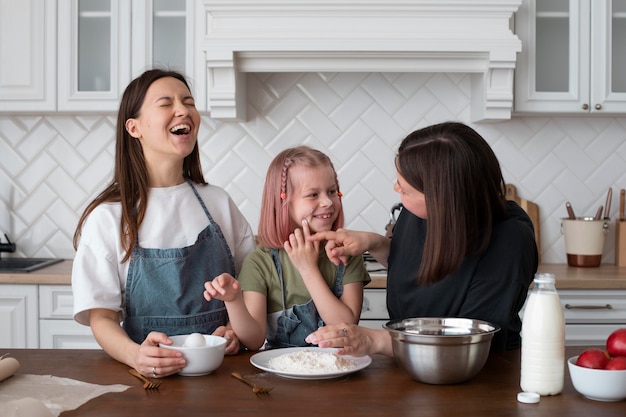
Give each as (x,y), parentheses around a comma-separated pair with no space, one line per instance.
(261,361)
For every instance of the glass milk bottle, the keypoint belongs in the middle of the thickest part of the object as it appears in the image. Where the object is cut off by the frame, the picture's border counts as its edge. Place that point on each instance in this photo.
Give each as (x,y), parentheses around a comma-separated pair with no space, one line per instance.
(543,339)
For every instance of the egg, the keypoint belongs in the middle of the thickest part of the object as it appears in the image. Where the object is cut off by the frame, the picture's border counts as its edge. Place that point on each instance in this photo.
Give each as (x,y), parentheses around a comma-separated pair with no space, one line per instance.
(194,340)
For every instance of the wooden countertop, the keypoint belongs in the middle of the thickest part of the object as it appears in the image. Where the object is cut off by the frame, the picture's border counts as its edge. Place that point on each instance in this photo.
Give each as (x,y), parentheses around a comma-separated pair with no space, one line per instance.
(380,390)
(604,277)
(59,273)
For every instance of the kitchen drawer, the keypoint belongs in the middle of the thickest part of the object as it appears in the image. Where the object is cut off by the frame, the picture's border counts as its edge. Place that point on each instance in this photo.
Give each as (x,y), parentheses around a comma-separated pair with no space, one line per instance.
(587,335)
(65,334)
(594,306)
(374,305)
(56,302)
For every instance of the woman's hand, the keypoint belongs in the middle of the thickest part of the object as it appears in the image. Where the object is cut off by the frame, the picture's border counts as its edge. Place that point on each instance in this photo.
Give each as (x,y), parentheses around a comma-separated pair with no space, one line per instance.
(351,339)
(232,341)
(147,358)
(223,287)
(156,362)
(342,244)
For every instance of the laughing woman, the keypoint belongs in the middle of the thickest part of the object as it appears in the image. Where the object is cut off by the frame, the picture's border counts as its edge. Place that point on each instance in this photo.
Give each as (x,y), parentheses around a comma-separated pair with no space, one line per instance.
(146,245)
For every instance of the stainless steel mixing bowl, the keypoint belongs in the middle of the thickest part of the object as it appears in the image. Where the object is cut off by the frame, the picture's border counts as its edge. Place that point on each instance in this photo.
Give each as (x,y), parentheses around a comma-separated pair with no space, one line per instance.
(441,350)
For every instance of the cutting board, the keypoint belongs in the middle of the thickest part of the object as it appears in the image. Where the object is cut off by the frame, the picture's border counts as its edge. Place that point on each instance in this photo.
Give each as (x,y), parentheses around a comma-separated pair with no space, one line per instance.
(530,208)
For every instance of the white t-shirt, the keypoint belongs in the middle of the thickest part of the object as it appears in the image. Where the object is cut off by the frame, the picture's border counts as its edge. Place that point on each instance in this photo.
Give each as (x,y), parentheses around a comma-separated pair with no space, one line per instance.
(174,218)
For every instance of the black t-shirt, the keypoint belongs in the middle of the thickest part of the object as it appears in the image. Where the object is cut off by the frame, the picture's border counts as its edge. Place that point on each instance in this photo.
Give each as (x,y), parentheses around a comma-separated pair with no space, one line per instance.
(492,287)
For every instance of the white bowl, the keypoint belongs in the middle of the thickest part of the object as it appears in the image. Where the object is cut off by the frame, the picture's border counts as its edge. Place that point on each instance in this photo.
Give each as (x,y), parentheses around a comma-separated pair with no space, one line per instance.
(598,384)
(200,360)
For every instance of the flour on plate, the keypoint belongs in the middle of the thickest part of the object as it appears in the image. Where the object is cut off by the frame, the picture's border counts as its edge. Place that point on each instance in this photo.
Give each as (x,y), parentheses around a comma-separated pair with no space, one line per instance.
(308,362)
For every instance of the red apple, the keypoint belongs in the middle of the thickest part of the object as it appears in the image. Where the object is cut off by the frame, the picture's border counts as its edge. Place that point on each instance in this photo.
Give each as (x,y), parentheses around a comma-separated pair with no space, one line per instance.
(593,358)
(616,343)
(616,363)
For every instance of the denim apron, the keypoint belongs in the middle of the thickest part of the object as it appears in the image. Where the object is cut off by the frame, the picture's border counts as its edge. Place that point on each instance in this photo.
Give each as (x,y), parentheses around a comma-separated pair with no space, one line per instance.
(164,286)
(293,325)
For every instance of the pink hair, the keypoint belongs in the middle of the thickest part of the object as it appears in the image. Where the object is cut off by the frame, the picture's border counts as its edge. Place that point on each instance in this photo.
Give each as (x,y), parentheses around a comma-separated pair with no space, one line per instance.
(275,223)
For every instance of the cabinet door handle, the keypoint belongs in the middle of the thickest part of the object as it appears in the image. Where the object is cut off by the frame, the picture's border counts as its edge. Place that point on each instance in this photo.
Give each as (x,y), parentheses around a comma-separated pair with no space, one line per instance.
(588,307)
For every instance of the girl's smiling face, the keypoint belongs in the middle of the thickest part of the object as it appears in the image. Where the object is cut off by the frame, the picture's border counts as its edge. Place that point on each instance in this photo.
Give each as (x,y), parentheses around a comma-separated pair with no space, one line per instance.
(168,122)
(412,200)
(314,197)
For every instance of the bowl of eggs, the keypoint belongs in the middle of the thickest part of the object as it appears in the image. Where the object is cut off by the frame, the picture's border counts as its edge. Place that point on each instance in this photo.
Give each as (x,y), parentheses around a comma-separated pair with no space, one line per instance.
(204,353)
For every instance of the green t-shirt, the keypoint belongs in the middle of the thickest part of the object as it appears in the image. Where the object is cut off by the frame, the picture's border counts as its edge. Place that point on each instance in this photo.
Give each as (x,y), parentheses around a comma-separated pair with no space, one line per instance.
(259,274)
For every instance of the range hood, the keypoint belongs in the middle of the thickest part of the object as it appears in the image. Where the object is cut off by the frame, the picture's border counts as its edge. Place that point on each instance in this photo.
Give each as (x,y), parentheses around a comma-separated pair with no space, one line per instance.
(463,36)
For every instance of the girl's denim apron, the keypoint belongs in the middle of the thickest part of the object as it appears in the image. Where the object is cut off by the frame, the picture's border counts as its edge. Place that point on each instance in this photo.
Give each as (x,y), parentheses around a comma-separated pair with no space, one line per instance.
(164,286)
(293,325)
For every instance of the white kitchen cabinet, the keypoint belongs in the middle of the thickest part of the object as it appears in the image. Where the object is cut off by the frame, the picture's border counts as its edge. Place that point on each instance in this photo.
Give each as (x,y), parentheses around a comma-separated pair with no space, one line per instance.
(41,316)
(164,36)
(101,48)
(591,315)
(79,55)
(94,54)
(57,328)
(573,59)
(27,55)
(374,310)
(18,316)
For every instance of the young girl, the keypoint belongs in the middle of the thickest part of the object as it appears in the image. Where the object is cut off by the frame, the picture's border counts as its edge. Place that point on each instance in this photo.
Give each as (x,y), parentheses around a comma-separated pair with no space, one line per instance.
(288,288)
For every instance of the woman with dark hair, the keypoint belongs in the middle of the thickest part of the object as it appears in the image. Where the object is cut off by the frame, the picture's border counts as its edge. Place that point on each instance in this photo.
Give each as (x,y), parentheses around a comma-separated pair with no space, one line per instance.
(146,245)
(459,248)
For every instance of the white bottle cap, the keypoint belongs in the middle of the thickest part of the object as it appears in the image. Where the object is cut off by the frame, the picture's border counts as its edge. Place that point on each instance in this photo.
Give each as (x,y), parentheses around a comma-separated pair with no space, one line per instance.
(528,397)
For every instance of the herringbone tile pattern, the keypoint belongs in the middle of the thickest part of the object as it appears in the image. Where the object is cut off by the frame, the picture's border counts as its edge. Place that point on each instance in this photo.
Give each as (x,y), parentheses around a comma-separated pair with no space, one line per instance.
(51,166)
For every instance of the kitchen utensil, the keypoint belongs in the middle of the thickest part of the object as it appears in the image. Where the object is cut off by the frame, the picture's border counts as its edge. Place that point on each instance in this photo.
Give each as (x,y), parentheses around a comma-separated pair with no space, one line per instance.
(438,350)
(570,211)
(530,208)
(598,215)
(200,360)
(147,383)
(620,232)
(257,389)
(607,206)
(392,219)
(622,202)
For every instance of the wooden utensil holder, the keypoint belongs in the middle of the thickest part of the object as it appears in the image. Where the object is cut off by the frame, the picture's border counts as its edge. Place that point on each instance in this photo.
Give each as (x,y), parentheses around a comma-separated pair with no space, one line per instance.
(620,242)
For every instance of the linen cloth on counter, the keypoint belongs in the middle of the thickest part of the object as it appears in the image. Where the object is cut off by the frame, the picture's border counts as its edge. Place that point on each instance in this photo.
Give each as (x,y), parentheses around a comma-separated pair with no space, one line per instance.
(56,393)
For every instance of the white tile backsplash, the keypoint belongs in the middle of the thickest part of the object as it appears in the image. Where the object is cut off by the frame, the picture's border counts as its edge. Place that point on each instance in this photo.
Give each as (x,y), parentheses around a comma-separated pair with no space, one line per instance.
(51,166)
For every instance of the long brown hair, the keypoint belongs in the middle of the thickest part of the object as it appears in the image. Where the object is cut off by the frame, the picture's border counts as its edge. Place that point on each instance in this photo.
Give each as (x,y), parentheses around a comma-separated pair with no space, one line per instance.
(275,223)
(130,177)
(460,177)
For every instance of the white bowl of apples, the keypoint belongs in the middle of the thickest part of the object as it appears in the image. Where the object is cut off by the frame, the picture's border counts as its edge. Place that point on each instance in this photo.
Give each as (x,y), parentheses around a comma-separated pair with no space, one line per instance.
(600,374)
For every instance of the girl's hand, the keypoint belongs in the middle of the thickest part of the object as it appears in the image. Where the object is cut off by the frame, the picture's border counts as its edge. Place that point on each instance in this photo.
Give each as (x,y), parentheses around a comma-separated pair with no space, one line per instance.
(232,341)
(223,287)
(302,252)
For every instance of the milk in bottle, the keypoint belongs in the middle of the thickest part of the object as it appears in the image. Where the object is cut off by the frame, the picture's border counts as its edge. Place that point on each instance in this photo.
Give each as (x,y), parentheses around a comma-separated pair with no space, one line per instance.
(543,339)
